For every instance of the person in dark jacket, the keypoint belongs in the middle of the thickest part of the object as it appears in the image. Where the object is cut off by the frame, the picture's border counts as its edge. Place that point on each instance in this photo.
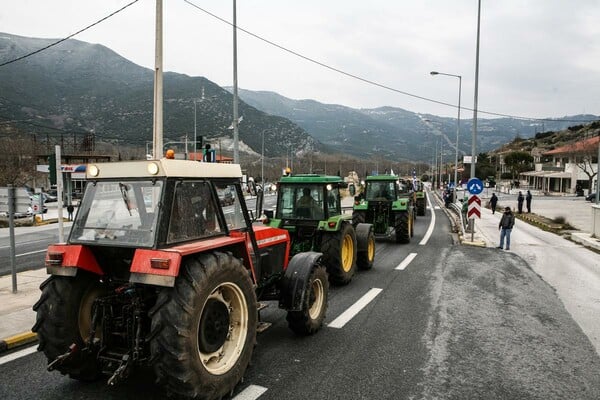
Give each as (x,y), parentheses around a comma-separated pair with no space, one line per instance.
(528,201)
(505,226)
(520,199)
(493,202)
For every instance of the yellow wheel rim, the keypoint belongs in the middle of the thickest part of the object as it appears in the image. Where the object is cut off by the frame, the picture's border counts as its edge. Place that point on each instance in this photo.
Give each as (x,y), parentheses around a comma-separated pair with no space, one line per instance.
(317,299)
(347,253)
(371,249)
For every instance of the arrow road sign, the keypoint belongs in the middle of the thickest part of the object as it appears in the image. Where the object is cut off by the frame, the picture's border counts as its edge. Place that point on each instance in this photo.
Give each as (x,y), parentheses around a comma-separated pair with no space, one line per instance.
(474,209)
(475,186)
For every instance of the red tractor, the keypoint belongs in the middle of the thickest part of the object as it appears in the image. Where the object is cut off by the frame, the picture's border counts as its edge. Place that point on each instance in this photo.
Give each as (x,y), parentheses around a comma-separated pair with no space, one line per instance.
(157,271)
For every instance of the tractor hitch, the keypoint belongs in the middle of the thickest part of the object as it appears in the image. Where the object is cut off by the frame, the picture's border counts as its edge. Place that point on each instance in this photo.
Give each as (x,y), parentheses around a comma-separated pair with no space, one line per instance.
(58,361)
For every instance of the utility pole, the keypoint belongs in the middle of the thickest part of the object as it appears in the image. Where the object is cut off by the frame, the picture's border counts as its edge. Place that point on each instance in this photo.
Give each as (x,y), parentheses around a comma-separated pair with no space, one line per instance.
(157,133)
(236,153)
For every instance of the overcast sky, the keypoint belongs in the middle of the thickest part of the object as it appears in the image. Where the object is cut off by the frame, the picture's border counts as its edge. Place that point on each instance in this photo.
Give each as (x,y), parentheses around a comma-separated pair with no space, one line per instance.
(538,58)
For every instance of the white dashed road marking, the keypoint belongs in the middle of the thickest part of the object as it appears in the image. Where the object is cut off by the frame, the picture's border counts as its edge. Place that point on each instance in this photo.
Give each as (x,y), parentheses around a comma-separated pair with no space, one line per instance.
(347,315)
(406,261)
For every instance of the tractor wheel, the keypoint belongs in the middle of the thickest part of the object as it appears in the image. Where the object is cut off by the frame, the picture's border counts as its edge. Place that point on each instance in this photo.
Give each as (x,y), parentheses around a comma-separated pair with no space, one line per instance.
(339,254)
(366,246)
(421,206)
(204,329)
(358,217)
(402,226)
(310,318)
(64,317)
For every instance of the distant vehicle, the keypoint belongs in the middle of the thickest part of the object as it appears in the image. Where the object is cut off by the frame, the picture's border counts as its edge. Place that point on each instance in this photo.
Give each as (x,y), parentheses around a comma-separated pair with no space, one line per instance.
(591,197)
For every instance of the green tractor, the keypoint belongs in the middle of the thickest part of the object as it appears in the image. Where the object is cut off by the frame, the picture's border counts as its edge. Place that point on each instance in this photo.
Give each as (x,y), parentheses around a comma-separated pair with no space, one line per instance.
(387,204)
(420,200)
(309,208)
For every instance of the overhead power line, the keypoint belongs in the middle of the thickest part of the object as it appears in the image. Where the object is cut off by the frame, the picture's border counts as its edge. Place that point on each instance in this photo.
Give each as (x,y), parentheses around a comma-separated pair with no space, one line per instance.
(369,81)
(68,37)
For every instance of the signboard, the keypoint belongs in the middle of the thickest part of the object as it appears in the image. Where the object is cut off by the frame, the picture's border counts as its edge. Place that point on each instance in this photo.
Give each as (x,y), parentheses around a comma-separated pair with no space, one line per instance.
(468,159)
(22,201)
(475,186)
(474,210)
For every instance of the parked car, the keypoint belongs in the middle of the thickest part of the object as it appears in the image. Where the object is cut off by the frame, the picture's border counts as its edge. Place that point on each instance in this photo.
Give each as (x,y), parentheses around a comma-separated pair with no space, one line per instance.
(591,197)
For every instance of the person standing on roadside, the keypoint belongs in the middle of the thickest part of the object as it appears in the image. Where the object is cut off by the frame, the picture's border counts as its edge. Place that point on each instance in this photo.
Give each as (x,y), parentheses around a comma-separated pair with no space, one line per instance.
(528,201)
(493,202)
(520,199)
(505,226)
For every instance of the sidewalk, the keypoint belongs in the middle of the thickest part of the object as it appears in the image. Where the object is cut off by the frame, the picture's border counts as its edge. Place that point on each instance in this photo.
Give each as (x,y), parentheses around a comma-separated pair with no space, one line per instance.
(16,313)
(575,210)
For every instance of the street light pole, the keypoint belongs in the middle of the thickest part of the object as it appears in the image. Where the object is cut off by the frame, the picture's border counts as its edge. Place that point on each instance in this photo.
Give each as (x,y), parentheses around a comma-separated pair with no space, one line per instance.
(195,146)
(457,127)
(262,162)
(474,136)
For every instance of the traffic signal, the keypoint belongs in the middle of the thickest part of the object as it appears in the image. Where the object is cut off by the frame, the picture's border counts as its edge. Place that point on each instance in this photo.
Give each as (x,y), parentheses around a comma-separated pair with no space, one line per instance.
(52,168)
(199,144)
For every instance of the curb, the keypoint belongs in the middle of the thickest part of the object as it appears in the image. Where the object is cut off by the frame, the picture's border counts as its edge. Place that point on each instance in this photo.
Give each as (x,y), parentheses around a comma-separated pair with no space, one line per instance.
(17,341)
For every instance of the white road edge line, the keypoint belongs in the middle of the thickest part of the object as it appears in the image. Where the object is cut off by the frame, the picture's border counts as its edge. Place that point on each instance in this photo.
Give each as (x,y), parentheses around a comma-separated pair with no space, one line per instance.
(406,261)
(31,252)
(431,224)
(18,354)
(250,393)
(354,309)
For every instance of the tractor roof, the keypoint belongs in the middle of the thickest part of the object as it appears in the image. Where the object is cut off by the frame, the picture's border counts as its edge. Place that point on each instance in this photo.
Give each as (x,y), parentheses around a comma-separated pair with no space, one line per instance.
(311,178)
(381,178)
(162,168)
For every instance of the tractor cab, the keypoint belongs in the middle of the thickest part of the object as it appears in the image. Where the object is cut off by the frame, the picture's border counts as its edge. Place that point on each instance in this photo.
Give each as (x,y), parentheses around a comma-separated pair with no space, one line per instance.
(386,204)
(309,208)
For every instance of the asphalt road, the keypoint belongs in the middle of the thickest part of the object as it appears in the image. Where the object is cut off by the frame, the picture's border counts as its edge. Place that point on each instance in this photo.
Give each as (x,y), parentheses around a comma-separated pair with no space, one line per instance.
(458,322)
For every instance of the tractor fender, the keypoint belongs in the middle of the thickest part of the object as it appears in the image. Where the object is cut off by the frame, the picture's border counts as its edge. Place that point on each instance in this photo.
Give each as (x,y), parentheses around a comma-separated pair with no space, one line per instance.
(295,280)
(362,235)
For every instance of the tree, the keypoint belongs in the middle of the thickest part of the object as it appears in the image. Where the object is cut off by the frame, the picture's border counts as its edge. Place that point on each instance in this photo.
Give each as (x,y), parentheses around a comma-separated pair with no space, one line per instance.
(17,161)
(518,161)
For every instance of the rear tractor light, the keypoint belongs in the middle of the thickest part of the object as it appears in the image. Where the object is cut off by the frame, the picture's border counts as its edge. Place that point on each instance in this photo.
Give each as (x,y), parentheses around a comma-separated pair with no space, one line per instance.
(54,259)
(160,263)
(332,224)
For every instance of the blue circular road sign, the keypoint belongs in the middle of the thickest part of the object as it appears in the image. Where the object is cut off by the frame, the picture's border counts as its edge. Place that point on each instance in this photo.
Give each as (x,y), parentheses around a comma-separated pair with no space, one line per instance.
(475,186)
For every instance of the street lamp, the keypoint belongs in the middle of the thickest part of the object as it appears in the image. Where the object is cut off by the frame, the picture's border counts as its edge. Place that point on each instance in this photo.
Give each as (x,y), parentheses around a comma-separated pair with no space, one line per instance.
(457,127)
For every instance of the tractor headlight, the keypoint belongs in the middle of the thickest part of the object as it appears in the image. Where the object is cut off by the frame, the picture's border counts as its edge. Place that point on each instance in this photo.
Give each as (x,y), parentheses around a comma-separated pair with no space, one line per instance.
(93,170)
(152,168)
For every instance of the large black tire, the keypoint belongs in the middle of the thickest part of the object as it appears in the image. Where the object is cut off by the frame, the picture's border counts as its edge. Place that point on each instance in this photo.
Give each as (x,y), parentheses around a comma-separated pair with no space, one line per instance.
(365,239)
(402,227)
(204,328)
(339,254)
(358,217)
(421,206)
(310,319)
(64,315)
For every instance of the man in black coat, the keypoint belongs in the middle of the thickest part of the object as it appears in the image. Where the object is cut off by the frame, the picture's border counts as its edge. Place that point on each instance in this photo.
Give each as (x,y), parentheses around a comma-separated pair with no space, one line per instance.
(520,199)
(493,202)
(505,226)
(528,201)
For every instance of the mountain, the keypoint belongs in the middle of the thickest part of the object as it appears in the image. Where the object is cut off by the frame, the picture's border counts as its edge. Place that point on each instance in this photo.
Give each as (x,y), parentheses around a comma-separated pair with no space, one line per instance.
(396,133)
(87,88)
(78,87)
